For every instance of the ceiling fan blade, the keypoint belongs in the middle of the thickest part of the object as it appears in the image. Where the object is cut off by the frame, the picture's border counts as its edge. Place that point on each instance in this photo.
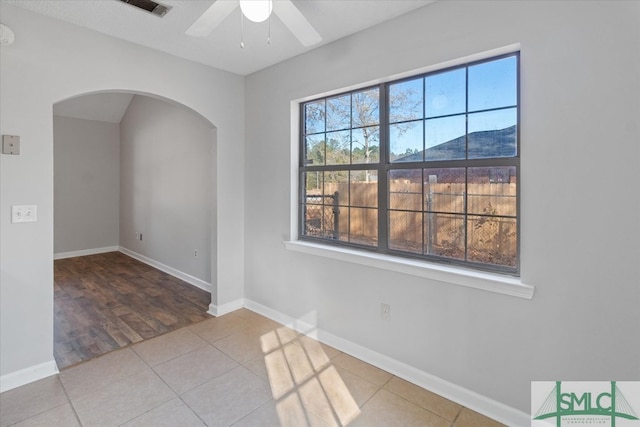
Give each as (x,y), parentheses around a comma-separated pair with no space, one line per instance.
(211,18)
(295,21)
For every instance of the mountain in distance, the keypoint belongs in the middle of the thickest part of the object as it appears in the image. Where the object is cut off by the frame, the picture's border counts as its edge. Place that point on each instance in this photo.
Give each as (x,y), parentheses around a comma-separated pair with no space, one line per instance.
(482,145)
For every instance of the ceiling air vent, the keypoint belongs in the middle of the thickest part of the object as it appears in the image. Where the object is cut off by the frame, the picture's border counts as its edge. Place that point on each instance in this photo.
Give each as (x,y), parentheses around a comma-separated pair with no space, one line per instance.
(149,6)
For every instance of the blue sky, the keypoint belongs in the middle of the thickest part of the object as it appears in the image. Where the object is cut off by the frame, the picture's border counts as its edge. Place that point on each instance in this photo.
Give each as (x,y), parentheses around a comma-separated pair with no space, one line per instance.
(491,85)
(443,116)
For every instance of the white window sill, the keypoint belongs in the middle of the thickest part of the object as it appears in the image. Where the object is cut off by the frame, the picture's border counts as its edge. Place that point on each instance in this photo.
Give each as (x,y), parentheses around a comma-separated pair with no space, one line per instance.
(473,279)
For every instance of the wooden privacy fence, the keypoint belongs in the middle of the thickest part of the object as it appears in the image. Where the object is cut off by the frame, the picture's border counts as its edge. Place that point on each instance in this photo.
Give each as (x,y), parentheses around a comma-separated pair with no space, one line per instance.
(429,218)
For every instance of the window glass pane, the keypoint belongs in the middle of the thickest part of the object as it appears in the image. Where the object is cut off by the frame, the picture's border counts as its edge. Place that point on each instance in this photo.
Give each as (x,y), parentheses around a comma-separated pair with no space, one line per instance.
(405,231)
(363,226)
(405,189)
(492,240)
(444,235)
(445,93)
(313,186)
(405,194)
(445,138)
(336,182)
(337,148)
(323,194)
(314,117)
(366,108)
(492,134)
(493,84)
(314,152)
(444,190)
(406,142)
(318,221)
(365,145)
(341,224)
(363,188)
(338,113)
(317,209)
(405,101)
(492,191)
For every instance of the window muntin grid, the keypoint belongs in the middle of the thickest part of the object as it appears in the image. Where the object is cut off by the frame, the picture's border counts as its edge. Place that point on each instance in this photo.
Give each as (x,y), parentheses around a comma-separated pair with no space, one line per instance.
(446,142)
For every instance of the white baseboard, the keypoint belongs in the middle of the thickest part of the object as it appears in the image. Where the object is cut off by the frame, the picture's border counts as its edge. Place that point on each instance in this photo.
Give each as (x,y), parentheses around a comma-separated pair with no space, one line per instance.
(465,397)
(219,310)
(85,252)
(198,283)
(28,375)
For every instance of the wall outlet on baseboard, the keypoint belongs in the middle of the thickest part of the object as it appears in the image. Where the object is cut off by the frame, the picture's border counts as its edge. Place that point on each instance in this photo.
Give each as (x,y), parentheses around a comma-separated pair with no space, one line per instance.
(195,253)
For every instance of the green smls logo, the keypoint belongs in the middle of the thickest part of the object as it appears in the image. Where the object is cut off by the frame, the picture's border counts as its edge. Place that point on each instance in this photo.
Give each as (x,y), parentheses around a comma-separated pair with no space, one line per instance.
(605,404)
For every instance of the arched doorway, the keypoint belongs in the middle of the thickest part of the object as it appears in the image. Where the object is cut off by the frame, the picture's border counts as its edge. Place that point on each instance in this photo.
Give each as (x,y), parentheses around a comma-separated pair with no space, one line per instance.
(133,174)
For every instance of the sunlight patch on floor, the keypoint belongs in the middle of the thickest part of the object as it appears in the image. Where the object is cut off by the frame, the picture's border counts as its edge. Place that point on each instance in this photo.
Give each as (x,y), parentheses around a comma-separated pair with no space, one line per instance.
(303,381)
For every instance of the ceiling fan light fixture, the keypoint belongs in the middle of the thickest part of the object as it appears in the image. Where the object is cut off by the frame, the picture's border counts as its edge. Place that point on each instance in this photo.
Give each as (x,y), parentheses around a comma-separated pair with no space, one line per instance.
(256,10)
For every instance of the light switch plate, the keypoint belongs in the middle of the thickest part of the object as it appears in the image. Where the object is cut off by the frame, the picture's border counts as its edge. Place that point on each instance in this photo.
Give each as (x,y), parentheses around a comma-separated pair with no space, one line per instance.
(10,144)
(24,213)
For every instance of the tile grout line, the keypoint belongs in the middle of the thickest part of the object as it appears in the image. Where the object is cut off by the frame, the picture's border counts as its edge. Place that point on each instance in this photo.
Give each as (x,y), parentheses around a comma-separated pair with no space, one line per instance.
(177,395)
(172,358)
(56,376)
(66,395)
(453,423)
(115,382)
(191,409)
(155,373)
(379,387)
(418,405)
(294,390)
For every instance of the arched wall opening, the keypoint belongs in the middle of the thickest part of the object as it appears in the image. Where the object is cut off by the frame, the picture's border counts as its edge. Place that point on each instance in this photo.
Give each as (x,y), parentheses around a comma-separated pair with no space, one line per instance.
(132,174)
(137,173)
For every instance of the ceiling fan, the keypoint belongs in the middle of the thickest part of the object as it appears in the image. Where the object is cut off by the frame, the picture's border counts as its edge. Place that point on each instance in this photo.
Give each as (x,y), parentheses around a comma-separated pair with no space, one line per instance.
(257,11)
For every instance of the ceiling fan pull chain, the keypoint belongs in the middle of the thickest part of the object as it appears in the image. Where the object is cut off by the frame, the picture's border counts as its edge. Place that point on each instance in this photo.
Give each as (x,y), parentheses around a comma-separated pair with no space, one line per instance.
(241,30)
(269,35)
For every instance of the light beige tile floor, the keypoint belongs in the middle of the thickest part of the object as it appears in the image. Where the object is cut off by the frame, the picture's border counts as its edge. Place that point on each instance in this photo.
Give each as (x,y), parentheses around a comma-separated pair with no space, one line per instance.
(240,370)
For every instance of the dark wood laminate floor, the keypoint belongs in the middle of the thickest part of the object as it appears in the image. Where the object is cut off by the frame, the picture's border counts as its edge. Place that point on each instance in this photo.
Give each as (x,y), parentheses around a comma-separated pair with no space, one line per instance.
(108,301)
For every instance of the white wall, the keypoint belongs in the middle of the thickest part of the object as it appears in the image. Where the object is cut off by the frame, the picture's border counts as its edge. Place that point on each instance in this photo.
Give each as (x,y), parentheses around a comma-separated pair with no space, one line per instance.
(51,61)
(166,185)
(579,207)
(86,184)
(580,231)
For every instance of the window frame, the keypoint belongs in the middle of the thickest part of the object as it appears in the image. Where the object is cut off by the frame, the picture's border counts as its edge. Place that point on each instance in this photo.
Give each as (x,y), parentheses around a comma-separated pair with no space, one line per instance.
(384,166)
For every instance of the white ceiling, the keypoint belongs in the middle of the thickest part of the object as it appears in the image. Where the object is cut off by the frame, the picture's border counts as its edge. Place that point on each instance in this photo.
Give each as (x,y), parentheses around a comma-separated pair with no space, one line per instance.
(333,19)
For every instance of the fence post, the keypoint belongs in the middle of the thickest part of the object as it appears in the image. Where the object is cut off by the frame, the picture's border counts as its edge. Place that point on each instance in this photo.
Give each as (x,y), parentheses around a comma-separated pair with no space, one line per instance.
(433,180)
(336,217)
